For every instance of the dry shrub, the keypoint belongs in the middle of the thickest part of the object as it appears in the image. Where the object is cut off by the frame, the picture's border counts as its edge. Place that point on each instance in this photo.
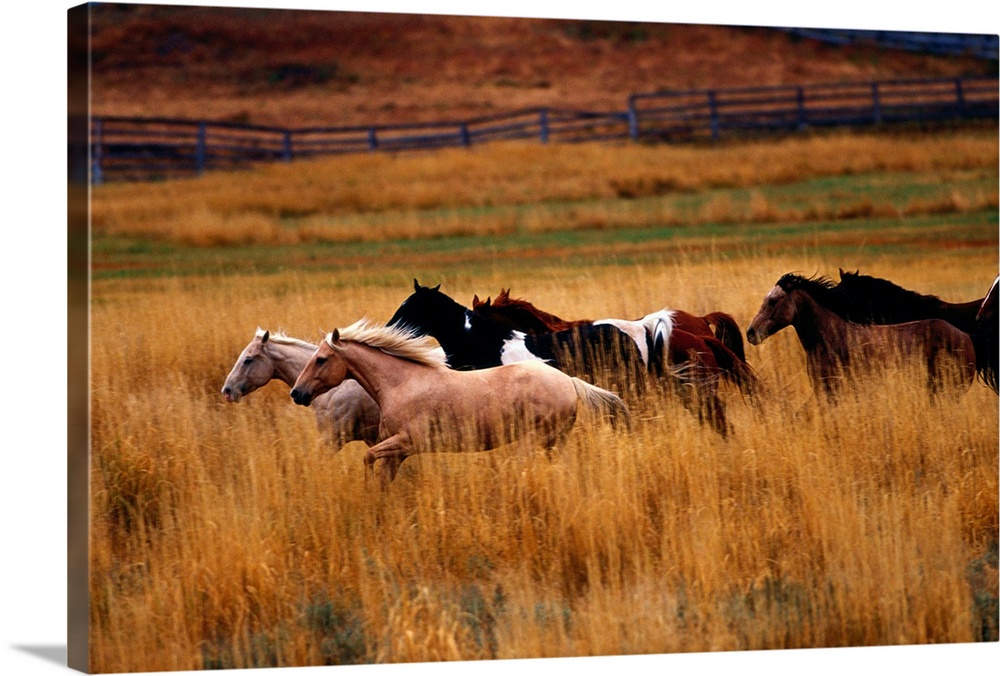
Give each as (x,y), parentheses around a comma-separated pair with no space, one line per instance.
(207,228)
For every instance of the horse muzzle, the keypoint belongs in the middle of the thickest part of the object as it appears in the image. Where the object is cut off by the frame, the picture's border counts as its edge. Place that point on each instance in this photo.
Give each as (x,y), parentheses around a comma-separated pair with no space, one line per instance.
(231,394)
(755,336)
(301,398)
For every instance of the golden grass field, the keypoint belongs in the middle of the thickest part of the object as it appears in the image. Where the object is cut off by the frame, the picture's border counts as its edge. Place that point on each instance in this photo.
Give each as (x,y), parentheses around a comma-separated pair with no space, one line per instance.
(228,536)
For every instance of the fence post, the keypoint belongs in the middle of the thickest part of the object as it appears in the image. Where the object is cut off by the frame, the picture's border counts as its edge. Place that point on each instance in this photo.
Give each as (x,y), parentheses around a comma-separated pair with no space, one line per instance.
(800,103)
(713,114)
(633,119)
(463,133)
(876,106)
(543,124)
(200,150)
(960,96)
(287,146)
(372,139)
(97,152)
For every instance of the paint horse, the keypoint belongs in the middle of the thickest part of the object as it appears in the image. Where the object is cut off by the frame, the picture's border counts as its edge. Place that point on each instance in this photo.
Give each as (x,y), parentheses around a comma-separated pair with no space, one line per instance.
(602,355)
(873,300)
(521,313)
(343,414)
(835,346)
(427,407)
(693,363)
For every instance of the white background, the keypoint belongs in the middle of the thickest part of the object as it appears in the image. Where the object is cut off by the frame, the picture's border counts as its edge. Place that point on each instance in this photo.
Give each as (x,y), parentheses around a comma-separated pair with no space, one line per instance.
(33,353)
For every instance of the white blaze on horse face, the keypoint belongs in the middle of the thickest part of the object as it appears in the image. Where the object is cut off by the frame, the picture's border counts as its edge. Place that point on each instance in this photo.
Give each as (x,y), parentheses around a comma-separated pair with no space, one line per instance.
(763,324)
(468,321)
(514,350)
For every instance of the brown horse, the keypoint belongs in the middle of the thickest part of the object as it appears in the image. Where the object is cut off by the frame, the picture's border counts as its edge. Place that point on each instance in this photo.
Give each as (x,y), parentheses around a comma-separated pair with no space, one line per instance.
(428,407)
(677,347)
(835,346)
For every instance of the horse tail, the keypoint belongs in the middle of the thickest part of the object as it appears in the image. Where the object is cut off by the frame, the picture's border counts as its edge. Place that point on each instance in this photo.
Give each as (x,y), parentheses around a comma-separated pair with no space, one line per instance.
(727,331)
(734,369)
(985,345)
(607,404)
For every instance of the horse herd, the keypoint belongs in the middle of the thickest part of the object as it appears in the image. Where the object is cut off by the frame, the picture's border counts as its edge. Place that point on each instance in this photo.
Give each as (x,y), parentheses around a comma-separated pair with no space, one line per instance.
(503,370)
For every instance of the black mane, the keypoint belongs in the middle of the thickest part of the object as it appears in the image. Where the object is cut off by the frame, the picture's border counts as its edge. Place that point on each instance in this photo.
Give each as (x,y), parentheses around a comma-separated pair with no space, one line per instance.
(873,299)
(821,289)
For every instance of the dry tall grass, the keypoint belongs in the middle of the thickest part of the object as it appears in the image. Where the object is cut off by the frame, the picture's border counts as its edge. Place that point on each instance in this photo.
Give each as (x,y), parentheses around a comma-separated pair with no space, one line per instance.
(226,536)
(519,187)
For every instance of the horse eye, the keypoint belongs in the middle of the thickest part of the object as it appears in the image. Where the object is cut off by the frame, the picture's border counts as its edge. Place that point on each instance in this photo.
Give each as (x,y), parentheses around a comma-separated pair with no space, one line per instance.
(320,361)
(248,361)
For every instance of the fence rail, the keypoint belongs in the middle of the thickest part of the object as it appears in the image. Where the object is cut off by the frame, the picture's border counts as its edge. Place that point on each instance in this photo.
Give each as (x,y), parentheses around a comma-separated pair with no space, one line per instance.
(126,148)
(947,44)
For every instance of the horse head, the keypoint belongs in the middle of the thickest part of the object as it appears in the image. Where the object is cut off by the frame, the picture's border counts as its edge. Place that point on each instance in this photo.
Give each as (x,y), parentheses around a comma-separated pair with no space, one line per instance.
(427,310)
(325,370)
(253,369)
(775,313)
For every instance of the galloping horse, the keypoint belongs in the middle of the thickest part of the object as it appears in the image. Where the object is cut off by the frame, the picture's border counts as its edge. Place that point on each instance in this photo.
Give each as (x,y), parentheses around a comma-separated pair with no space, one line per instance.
(601,354)
(343,414)
(428,407)
(672,354)
(524,314)
(834,345)
(873,300)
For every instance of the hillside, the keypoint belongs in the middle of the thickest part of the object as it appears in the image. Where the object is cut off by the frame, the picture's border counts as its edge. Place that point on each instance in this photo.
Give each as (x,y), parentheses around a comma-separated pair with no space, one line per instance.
(301,68)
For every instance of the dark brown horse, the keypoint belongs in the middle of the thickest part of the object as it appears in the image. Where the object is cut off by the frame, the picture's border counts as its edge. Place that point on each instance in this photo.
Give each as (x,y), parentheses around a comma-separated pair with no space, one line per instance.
(835,346)
(872,300)
(679,349)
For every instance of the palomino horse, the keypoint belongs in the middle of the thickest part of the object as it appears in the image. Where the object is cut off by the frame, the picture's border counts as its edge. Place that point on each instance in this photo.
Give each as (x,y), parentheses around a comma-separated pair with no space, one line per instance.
(873,300)
(834,345)
(672,354)
(603,355)
(428,407)
(343,414)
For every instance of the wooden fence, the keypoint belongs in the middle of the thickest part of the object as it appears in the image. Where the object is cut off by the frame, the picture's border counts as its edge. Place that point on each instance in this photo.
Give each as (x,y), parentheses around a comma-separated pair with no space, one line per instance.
(125,148)
(979,46)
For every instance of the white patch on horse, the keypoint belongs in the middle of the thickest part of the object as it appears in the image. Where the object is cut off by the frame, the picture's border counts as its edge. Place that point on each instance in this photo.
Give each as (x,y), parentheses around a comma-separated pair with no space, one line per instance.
(514,350)
(659,324)
(468,320)
(634,330)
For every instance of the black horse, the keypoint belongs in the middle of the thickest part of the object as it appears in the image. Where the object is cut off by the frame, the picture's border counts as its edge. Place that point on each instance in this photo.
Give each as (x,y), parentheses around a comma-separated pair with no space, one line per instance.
(601,354)
(872,300)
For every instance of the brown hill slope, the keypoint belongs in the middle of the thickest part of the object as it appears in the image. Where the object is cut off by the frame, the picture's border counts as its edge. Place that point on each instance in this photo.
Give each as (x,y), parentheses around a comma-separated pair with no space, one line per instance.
(297,68)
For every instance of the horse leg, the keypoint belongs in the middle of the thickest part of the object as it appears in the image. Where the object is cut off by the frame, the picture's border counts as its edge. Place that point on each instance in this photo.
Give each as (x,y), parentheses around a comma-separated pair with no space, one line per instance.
(394,451)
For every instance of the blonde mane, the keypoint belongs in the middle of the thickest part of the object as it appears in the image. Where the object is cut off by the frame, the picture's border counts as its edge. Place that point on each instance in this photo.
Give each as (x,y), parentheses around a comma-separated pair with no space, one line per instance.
(397,341)
(281,338)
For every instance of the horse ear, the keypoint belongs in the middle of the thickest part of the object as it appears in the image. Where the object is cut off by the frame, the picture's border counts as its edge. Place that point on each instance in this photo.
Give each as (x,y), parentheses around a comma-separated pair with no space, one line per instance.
(335,336)
(436,287)
(841,271)
(265,337)
(416,284)
(475,301)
